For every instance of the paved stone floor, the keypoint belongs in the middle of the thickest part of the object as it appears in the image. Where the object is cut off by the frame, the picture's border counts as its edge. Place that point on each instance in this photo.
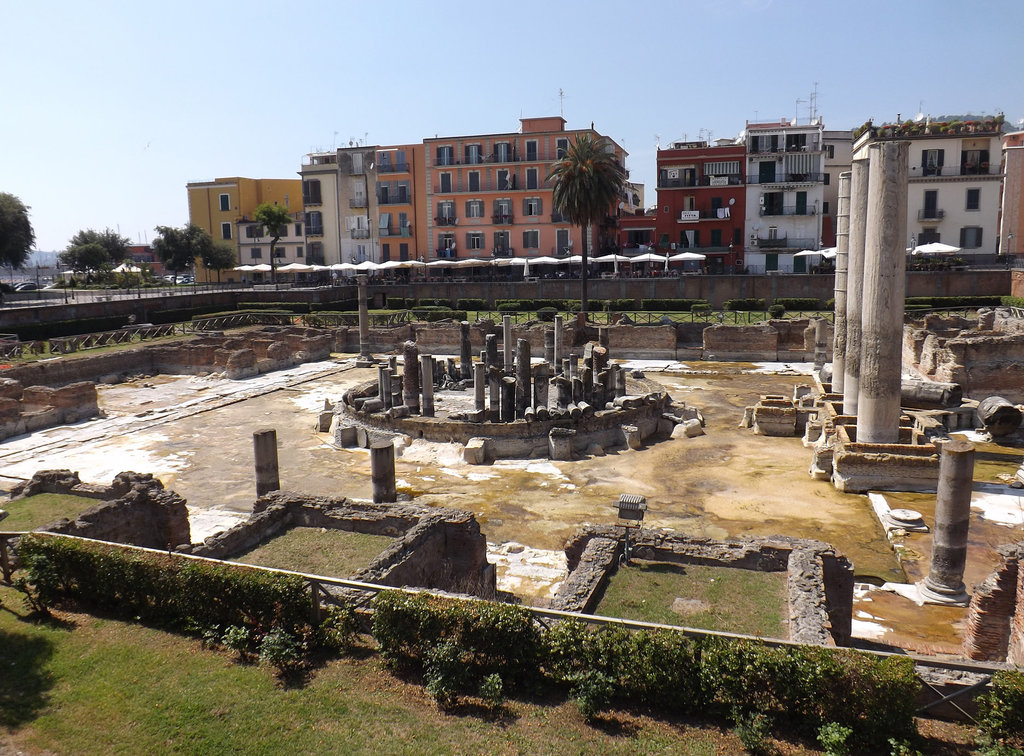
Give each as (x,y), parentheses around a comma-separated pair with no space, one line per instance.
(195,434)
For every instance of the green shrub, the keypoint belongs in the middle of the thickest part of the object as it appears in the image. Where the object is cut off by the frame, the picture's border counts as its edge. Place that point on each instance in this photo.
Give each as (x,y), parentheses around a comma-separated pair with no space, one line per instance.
(431,302)
(754,730)
(621,305)
(830,303)
(749,304)
(433,314)
(399,303)
(471,303)
(61,328)
(546,314)
(281,650)
(1001,710)
(239,640)
(798,303)
(492,690)
(509,307)
(514,305)
(670,305)
(445,673)
(592,691)
(834,738)
(776,310)
(701,309)
(1011,301)
(338,629)
(952,302)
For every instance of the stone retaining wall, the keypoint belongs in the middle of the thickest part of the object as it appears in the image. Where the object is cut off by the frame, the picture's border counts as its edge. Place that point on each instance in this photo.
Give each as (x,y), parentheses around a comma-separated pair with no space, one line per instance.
(819,585)
(136,509)
(32,408)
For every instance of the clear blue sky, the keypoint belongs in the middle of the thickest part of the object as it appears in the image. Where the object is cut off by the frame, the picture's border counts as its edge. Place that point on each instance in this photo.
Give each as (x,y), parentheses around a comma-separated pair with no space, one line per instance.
(109,108)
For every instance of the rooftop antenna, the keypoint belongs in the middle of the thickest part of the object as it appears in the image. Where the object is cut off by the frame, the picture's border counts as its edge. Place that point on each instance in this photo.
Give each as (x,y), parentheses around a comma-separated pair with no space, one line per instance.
(813,107)
(657,141)
(796,111)
(561,102)
(334,145)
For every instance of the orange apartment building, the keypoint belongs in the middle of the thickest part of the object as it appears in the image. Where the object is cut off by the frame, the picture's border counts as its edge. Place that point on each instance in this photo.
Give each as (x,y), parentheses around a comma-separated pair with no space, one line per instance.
(488,195)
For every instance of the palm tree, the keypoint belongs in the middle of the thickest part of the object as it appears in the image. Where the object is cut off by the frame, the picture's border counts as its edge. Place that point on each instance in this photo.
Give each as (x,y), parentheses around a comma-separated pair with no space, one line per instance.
(588,183)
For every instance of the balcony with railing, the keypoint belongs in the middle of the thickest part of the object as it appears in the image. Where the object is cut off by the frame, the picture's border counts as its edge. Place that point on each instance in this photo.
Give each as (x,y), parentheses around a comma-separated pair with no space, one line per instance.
(445,220)
(789,210)
(405,231)
(356,202)
(502,219)
(785,242)
(314,230)
(360,233)
(401,199)
(392,167)
(311,200)
(503,252)
(931,214)
(787,178)
(692,216)
(444,253)
(953,171)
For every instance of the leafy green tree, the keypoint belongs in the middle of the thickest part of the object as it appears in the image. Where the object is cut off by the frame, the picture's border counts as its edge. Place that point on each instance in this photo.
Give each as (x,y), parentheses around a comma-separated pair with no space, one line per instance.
(275,220)
(86,257)
(218,257)
(178,248)
(16,234)
(81,254)
(588,182)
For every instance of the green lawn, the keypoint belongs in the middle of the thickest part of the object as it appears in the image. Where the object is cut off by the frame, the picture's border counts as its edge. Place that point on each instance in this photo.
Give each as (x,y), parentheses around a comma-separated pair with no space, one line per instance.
(94,686)
(42,509)
(711,598)
(332,553)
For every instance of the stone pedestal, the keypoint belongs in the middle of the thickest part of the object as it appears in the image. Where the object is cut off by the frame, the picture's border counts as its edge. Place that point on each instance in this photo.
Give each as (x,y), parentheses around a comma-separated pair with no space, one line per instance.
(427,385)
(541,376)
(549,345)
(264,446)
(386,392)
(466,351)
(855,284)
(382,473)
(494,389)
(884,287)
(560,443)
(945,581)
(631,436)
(820,345)
(411,376)
(563,388)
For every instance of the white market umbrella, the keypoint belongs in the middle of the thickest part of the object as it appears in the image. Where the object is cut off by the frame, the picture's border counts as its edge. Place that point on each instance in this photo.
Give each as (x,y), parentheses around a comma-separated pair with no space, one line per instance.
(573,260)
(648,257)
(343,266)
(391,265)
(126,268)
(829,252)
(935,248)
(295,267)
(366,265)
(245,268)
(441,263)
(262,268)
(613,259)
(542,260)
(472,262)
(807,252)
(684,256)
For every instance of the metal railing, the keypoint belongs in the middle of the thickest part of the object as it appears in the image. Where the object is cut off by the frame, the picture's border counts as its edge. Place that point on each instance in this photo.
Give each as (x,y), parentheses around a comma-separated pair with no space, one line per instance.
(360,233)
(787,178)
(392,167)
(931,214)
(788,210)
(357,202)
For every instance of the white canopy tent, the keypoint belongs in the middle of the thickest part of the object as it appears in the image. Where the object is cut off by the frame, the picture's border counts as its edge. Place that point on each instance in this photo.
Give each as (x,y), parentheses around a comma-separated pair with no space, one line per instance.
(687,256)
(613,259)
(126,268)
(295,267)
(651,257)
(935,248)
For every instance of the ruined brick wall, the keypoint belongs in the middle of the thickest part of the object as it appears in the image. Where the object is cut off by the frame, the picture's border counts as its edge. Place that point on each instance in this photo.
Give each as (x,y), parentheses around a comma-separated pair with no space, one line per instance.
(136,510)
(995,607)
(1015,650)
(743,343)
(92,368)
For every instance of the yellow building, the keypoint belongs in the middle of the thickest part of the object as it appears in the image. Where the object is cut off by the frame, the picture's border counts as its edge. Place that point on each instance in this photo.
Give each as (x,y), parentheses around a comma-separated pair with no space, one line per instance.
(219,205)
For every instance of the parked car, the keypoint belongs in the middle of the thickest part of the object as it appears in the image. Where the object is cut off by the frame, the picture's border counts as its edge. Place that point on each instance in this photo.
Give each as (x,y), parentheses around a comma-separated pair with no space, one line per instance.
(26,286)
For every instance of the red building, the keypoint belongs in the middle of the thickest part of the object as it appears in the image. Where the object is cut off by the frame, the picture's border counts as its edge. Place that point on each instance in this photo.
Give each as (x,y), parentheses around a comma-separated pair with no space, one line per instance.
(702,203)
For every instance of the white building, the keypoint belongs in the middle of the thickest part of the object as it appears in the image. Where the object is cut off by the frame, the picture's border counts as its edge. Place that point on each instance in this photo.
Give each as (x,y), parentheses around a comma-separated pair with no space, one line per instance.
(785,193)
(954,185)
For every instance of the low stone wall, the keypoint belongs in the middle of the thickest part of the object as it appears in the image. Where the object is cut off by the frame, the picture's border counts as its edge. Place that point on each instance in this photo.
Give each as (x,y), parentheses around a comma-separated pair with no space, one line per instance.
(995,618)
(437,548)
(819,585)
(32,408)
(136,509)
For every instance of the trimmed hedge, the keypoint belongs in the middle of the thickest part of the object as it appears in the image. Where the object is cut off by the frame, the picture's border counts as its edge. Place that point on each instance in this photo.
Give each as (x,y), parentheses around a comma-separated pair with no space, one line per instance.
(670,305)
(1001,711)
(433,314)
(1011,301)
(432,302)
(60,328)
(167,590)
(744,305)
(965,301)
(798,303)
(398,303)
(471,304)
(340,305)
(299,308)
(620,305)
(799,688)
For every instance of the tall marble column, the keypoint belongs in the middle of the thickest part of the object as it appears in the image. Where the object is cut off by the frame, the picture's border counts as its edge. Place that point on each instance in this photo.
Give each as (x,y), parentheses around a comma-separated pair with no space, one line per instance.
(839,303)
(855,284)
(945,581)
(885,274)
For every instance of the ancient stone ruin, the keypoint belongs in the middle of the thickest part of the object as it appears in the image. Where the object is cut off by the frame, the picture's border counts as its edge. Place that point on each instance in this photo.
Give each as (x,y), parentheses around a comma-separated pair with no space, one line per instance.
(556,408)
